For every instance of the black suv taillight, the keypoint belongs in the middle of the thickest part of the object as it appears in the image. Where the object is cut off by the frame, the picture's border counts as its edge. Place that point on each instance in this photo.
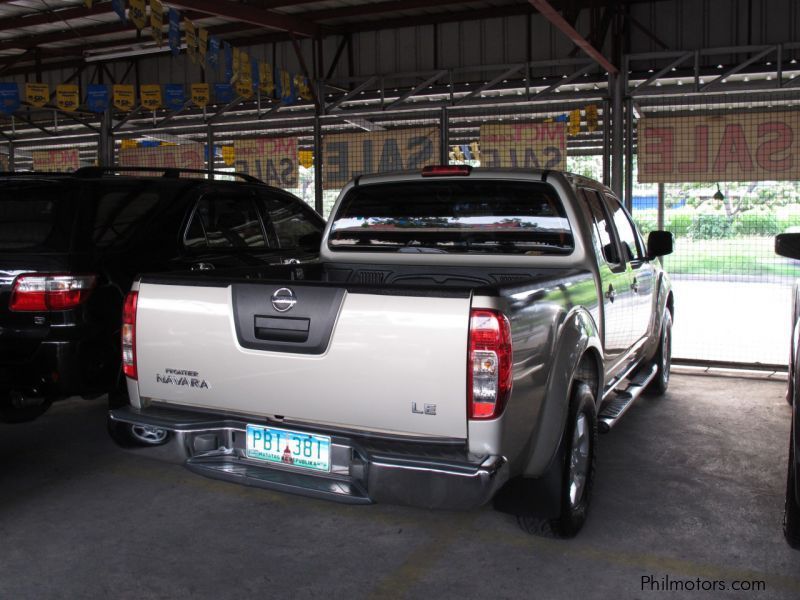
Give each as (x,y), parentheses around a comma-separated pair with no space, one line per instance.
(50,291)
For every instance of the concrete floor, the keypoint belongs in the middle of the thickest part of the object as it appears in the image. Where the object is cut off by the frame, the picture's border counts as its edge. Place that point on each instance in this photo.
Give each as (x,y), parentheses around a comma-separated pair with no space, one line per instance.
(689,486)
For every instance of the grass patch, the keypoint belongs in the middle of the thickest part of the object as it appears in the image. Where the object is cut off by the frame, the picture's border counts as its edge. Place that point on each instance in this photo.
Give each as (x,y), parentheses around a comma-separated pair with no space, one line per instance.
(750,255)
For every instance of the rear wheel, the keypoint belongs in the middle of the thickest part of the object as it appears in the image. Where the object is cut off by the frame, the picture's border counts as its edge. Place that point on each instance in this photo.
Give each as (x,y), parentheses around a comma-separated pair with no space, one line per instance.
(791,516)
(577,469)
(663,357)
(16,409)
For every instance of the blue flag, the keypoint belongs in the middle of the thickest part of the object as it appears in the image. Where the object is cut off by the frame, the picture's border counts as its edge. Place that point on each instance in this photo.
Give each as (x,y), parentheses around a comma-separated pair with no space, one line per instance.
(174,96)
(255,74)
(119,7)
(223,93)
(213,52)
(174,31)
(227,51)
(97,97)
(9,98)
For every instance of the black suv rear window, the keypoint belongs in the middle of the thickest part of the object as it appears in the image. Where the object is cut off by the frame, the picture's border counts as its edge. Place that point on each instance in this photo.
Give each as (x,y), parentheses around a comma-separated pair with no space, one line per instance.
(453,216)
(35,216)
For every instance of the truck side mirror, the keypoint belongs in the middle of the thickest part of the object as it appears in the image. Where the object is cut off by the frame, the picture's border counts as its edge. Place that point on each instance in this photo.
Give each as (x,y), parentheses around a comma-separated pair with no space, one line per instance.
(788,245)
(659,243)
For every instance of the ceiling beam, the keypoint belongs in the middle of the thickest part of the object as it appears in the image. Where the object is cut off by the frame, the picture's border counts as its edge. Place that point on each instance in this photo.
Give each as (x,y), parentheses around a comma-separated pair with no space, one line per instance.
(373,9)
(81,43)
(249,14)
(549,13)
(52,16)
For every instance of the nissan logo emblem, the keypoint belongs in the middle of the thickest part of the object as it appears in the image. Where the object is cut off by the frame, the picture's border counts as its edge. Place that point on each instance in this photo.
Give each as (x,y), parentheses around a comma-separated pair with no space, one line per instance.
(283,299)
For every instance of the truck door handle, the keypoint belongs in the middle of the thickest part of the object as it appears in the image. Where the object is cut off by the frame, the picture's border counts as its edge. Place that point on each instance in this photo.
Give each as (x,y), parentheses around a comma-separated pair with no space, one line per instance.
(635,286)
(202,266)
(611,294)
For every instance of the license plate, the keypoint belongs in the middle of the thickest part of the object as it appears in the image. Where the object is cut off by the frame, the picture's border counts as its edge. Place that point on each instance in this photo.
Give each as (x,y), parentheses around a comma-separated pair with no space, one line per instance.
(292,448)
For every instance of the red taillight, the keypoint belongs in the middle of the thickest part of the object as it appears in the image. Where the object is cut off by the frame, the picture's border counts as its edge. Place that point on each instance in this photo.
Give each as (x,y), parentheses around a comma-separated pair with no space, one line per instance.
(489,364)
(129,334)
(446,170)
(50,291)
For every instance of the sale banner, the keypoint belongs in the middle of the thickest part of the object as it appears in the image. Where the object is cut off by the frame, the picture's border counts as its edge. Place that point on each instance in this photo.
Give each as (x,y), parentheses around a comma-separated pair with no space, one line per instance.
(63,160)
(749,146)
(524,145)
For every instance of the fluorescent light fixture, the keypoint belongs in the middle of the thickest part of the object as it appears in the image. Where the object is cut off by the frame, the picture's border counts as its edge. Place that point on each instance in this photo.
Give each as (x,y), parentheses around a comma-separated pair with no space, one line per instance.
(131,52)
(364,124)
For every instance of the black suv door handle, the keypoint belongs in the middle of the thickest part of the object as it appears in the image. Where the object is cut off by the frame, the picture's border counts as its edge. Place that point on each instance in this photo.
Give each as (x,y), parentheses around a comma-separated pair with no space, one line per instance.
(202,266)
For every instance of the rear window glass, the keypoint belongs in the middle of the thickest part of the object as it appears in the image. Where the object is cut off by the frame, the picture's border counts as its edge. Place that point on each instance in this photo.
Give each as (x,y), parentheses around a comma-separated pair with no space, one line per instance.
(35,216)
(453,216)
(121,213)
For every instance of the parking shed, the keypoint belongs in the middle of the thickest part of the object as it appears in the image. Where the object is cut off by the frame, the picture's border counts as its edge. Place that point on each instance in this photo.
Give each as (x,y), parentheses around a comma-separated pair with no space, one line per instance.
(688,110)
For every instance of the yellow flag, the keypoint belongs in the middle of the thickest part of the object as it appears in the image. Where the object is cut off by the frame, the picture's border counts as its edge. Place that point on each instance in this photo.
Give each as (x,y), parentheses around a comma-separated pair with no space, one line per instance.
(228,155)
(67,98)
(124,97)
(37,94)
(150,95)
(306,158)
(266,79)
(591,117)
(138,13)
(236,53)
(302,87)
(127,144)
(200,94)
(156,20)
(244,84)
(202,45)
(286,85)
(191,40)
(574,127)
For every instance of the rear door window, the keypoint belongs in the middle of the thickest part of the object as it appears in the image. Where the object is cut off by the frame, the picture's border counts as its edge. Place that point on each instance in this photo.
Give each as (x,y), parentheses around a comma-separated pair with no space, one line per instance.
(293,224)
(603,228)
(474,216)
(225,221)
(36,216)
(631,241)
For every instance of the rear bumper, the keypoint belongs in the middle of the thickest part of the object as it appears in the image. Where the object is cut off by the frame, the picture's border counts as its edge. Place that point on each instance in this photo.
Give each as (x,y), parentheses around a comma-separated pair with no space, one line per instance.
(53,369)
(363,469)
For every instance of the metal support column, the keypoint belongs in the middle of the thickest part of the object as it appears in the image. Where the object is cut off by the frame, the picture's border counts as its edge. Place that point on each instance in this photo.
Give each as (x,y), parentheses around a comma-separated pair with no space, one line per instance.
(211,155)
(606,143)
(11,160)
(318,165)
(617,132)
(105,145)
(629,154)
(661,203)
(444,150)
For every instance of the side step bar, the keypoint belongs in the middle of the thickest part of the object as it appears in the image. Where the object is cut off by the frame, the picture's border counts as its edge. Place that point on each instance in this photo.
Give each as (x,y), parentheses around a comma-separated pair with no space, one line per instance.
(614,409)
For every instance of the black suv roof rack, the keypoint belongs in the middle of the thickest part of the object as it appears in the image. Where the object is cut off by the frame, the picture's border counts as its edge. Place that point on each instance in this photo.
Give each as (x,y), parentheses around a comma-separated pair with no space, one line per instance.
(98,172)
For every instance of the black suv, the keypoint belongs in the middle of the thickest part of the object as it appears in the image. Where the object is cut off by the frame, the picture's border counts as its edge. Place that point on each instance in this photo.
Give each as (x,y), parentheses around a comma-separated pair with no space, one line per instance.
(71,245)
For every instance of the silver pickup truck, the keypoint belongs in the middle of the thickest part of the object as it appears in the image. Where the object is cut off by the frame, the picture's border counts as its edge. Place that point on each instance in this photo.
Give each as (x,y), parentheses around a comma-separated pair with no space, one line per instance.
(463,337)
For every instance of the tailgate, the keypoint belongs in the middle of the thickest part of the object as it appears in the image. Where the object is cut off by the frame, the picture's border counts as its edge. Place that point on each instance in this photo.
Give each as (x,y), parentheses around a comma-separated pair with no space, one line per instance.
(349,359)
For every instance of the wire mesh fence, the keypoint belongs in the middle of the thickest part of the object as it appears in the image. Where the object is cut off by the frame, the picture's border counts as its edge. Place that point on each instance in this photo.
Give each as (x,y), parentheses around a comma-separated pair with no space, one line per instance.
(724,168)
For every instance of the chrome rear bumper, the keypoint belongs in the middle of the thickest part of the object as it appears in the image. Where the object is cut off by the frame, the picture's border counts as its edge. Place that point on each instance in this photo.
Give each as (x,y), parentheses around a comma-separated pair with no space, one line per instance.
(363,469)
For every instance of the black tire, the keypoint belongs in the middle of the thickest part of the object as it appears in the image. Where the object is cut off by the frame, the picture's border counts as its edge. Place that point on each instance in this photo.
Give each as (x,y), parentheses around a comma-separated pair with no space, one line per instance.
(663,358)
(575,497)
(791,516)
(126,435)
(11,412)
